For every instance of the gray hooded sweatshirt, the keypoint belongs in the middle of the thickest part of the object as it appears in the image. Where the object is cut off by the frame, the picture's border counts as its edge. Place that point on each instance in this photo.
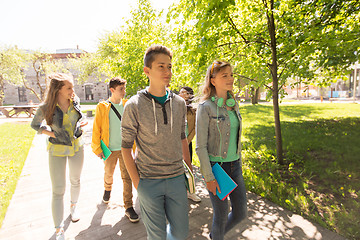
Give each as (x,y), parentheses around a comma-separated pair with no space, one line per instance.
(157,130)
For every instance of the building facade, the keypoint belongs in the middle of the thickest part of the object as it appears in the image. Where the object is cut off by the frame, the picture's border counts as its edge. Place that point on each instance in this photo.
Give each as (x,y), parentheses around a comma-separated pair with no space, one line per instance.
(93,90)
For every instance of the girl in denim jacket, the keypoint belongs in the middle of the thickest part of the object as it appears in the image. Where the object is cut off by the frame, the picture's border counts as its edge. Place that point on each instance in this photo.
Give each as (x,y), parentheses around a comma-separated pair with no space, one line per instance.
(218,132)
(62,115)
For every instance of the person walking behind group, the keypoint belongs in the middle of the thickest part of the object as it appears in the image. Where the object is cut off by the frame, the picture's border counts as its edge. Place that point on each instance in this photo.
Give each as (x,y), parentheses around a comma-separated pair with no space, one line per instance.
(62,114)
(187,93)
(107,127)
(155,119)
(218,140)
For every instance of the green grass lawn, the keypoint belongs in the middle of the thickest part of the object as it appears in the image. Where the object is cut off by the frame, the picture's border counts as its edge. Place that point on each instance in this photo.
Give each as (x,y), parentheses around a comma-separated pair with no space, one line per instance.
(321,177)
(15,143)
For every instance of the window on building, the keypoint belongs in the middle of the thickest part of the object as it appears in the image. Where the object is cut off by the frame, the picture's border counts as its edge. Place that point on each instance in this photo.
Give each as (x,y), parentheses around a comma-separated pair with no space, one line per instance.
(22,94)
(89,95)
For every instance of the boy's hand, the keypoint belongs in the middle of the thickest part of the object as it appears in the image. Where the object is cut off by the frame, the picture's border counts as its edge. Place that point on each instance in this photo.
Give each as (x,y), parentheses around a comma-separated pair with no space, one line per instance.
(136,183)
(212,186)
(101,155)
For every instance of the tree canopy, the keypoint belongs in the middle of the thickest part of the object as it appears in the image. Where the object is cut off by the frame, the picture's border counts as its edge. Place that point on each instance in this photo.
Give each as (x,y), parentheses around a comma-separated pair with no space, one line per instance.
(268,41)
(121,52)
(12,63)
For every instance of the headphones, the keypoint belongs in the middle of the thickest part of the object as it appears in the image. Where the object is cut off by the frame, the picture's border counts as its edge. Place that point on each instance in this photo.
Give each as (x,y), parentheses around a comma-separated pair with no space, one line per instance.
(230,102)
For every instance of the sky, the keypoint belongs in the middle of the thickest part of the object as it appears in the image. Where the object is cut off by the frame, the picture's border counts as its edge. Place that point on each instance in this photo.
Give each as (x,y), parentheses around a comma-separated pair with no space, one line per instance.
(48,25)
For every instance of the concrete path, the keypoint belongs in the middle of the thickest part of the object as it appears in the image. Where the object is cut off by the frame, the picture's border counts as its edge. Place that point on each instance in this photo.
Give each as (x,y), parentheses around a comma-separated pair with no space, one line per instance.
(29,213)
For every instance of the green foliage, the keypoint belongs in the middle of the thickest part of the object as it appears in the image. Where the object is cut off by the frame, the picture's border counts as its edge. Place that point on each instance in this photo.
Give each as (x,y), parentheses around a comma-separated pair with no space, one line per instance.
(267,41)
(122,51)
(87,65)
(309,36)
(12,63)
(320,178)
(13,152)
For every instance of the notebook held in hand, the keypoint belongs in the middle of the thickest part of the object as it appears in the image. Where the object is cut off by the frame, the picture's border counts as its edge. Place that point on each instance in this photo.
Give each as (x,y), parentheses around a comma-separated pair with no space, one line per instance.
(226,184)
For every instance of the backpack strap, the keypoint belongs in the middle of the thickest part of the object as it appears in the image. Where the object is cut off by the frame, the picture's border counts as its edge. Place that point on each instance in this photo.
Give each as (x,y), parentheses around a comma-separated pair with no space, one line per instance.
(115,110)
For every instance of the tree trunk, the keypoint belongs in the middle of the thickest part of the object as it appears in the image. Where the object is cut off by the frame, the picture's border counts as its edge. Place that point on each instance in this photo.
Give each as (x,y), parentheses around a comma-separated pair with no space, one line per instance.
(355,78)
(257,92)
(273,69)
(279,150)
(2,94)
(32,90)
(254,95)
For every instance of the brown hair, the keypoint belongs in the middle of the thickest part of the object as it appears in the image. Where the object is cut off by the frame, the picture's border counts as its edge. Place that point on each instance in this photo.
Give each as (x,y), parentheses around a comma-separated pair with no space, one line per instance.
(116,81)
(208,88)
(57,81)
(154,50)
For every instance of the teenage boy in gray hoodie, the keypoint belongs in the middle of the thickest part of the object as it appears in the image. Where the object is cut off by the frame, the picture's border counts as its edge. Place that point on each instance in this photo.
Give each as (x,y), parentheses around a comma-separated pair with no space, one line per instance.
(155,119)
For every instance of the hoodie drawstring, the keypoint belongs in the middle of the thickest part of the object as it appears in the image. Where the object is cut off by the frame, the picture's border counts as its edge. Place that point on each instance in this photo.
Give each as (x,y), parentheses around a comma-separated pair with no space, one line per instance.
(153,102)
(171,114)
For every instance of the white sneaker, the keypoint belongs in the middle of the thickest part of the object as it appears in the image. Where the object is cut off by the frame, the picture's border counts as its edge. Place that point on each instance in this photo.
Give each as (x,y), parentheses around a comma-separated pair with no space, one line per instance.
(74,214)
(60,235)
(193,197)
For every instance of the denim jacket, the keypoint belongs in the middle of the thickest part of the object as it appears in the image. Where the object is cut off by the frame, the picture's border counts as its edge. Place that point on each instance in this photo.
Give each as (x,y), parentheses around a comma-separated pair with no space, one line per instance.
(210,121)
(62,137)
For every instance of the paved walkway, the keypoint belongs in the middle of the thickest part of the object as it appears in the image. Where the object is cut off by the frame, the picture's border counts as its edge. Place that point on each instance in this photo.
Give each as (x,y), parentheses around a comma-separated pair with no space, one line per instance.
(29,213)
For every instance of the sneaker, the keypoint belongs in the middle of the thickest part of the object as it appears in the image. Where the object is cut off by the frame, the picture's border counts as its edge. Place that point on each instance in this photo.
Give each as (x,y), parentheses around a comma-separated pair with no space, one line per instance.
(193,197)
(132,215)
(74,214)
(60,235)
(106,197)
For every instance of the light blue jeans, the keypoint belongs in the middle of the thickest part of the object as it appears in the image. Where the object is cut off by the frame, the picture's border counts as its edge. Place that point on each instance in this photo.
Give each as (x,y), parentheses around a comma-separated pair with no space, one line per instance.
(57,167)
(161,200)
(223,221)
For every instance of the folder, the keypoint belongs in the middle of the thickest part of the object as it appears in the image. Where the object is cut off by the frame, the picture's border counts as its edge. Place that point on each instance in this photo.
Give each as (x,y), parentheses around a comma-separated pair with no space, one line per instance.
(226,184)
(189,179)
(105,150)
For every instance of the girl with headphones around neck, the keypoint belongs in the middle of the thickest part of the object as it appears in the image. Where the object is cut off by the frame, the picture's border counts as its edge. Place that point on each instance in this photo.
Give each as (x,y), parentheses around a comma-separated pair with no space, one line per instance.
(218,133)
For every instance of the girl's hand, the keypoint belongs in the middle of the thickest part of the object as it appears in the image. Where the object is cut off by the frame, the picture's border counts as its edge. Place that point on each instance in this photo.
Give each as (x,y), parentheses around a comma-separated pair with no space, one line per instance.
(52,134)
(49,133)
(83,123)
(212,186)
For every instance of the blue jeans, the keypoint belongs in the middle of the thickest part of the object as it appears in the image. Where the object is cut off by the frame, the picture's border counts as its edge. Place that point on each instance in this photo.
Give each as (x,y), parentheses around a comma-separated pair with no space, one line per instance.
(223,221)
(161,200)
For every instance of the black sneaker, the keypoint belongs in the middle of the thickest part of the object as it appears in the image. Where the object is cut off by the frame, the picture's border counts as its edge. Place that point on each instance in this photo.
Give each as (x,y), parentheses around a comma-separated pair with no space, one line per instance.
(132,215)
(106,197)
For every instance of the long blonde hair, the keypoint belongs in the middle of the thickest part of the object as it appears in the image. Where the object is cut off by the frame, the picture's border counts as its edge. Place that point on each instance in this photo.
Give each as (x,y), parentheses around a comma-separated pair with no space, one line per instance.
(208,89)
(57,81)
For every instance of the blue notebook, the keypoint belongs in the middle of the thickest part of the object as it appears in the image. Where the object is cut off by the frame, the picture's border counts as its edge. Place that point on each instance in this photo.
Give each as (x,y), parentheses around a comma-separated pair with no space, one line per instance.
(105,150)
(226,184)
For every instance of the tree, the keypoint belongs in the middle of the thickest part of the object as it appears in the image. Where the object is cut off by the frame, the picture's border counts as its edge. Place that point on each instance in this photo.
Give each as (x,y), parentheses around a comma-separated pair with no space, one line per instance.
(12,63)
(268,41)
(121,52)
(87,65)
(43,64)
